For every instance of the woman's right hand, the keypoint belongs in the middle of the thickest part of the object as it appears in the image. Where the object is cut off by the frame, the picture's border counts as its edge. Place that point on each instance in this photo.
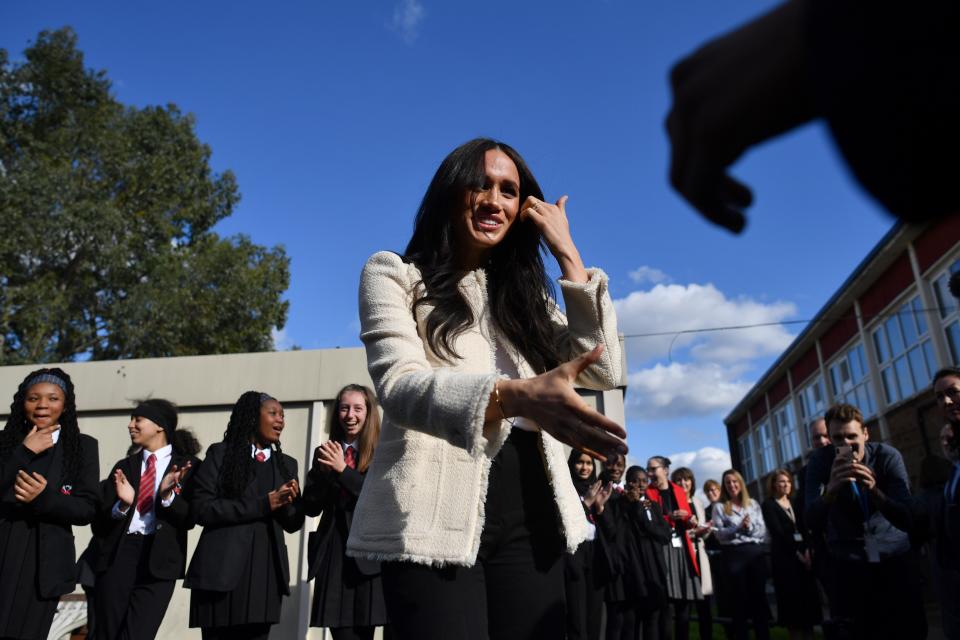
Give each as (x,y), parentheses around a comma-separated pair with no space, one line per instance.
(551,401)
(125,491)
(39,440)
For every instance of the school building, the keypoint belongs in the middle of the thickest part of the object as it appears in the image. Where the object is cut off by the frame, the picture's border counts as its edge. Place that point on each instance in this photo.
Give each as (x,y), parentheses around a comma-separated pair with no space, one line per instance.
(205,388)
(875,344)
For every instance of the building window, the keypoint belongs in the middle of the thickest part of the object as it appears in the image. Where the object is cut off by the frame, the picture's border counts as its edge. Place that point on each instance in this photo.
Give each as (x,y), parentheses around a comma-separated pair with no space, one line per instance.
(813,404)
(768,457)
(850,380)
(904,352)
(746,458)
(786,430)
(948,308)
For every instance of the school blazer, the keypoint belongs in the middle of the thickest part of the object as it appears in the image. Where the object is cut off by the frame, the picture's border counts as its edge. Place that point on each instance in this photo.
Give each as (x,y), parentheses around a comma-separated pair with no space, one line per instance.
(333,497)
(225,544)
(56,510)
(423,499)
(168,554)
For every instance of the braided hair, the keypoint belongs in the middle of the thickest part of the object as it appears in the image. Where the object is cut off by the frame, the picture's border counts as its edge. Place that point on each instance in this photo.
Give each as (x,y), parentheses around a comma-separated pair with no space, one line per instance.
(18,427)
(238,470)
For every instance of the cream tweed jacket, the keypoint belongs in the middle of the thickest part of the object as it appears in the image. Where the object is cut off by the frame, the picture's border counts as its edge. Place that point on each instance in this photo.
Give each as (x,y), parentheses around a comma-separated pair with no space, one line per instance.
(423,498)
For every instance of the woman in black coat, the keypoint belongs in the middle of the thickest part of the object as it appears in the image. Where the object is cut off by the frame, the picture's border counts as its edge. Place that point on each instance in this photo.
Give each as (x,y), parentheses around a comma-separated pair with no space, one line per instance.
(348,594)
(798,601)
(245,495)
(48,484)
(584,588)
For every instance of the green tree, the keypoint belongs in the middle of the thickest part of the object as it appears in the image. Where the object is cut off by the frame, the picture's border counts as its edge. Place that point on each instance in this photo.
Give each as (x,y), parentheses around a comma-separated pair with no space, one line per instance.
(106,246)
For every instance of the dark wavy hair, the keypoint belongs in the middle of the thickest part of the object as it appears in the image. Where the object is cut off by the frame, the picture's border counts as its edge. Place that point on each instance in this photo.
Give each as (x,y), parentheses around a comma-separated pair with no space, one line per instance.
(520,295)
(237,471)
(17,426)
(369,433)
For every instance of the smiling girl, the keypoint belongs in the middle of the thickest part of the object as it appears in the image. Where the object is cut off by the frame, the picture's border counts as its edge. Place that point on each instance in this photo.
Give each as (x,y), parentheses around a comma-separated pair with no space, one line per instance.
(48,484)
(245,495)
(348,595)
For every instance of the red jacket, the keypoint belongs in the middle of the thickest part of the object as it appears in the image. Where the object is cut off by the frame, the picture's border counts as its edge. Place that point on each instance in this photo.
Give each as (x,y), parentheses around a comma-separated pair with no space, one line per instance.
(680,496)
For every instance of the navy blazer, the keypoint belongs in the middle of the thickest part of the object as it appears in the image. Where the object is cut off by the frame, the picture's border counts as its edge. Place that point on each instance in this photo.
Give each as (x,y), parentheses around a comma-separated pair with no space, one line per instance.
(221,554)
(168,554)
(56,510)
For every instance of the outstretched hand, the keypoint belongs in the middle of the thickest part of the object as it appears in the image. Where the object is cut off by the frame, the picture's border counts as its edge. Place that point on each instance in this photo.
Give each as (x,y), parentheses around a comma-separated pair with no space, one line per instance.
(551,401)
(735,92)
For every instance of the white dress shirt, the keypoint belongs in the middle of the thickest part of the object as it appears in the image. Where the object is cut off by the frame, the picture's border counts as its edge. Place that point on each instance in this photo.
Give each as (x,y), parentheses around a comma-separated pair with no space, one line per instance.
(146,523)
(254,450)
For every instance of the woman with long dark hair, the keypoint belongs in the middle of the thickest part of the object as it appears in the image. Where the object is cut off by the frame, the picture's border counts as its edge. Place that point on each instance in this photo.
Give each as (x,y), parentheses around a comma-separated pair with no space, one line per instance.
(245,495)
(348,595)
(48,480)
(475,366)
(740,528)
(583,586)
(142,525)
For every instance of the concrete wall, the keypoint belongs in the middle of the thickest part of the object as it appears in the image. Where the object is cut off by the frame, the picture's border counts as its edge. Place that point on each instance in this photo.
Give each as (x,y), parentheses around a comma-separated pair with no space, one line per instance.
(205,388)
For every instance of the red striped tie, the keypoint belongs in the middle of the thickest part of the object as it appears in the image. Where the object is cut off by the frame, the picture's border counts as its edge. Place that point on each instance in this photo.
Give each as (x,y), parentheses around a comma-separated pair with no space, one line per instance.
(145,494)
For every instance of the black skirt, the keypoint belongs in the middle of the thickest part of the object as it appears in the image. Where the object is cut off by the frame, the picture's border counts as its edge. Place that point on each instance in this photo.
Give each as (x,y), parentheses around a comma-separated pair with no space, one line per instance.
(343,596)
(258,596)
(23,612)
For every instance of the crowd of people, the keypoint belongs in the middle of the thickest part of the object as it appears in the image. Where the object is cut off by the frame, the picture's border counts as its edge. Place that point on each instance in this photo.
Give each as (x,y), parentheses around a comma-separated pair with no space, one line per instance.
(836,544)
(457,512)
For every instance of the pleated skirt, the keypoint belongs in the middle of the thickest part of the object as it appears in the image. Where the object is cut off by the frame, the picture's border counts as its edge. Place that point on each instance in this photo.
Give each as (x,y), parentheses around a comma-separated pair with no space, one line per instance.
(24,614)
(258,596)
(343,596)
(682,581)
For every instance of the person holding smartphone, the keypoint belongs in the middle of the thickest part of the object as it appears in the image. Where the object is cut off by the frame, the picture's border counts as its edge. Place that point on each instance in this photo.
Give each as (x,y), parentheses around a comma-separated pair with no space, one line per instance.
(858,495)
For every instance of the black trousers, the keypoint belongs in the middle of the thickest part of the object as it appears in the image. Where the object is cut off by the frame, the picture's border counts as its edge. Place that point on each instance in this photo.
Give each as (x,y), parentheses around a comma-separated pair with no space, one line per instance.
(130,602)
(877,600)
(746,572)
(515,591)
(584,598)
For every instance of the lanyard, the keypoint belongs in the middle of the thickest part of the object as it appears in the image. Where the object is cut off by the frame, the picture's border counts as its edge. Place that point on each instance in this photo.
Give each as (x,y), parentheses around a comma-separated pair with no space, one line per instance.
(863,500)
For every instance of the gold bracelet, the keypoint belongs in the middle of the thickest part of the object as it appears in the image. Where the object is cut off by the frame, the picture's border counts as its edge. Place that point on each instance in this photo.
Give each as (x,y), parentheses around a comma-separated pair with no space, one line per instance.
(496,396)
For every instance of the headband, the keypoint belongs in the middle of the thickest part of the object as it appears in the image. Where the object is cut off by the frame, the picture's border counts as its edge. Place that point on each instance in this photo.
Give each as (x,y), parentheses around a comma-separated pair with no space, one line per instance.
(163,419)
(47,377)
(264,397)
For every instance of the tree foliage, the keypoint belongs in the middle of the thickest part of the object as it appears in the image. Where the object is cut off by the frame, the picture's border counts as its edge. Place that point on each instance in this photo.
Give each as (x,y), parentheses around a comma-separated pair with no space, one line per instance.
(107,248)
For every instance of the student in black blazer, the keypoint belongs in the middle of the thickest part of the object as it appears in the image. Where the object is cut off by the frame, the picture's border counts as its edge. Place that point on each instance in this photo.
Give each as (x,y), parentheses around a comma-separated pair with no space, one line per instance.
(142,525)
(48,484)
(348,594)
(245,495)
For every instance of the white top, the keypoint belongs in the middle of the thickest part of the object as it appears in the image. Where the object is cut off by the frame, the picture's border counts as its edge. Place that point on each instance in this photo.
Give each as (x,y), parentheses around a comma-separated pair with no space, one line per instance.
(254,450)
(506,367)
(728,527)
(146,523)
(56,436)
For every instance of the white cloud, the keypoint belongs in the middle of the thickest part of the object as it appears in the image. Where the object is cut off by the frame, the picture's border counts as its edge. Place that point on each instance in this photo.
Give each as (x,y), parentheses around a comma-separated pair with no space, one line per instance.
(678,390)
(676,375)
(706,463)
(281,339)
(646,274)
(669,308)
(407,16)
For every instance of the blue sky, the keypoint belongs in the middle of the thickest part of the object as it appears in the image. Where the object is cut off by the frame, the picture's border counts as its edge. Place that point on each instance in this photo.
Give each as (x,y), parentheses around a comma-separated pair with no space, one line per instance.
(334,117)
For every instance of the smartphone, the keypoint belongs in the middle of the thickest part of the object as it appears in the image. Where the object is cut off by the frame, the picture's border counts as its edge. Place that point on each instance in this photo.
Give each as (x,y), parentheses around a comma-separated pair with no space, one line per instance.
(845,451)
